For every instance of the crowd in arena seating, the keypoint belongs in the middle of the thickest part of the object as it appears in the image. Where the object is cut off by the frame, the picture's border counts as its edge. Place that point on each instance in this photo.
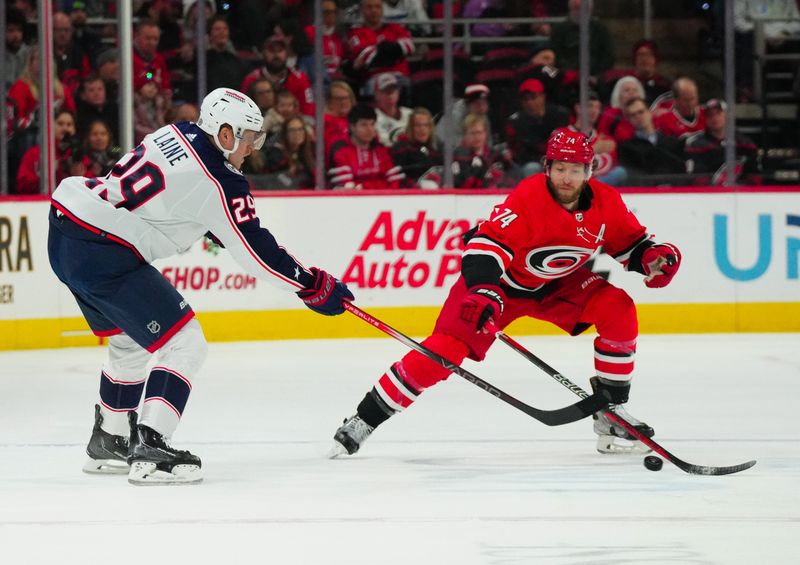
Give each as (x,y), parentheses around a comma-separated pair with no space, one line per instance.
(382,124)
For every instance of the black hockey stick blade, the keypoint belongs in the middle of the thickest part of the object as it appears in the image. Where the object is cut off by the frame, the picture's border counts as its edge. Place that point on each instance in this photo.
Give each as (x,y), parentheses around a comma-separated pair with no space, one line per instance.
(690,468)
(566,415)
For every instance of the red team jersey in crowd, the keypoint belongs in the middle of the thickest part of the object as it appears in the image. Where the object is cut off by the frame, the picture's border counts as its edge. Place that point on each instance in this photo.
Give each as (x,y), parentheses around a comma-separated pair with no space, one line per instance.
(332,49)
(295,82)
(363,41)
(670,122)
(535,240)
(356,167)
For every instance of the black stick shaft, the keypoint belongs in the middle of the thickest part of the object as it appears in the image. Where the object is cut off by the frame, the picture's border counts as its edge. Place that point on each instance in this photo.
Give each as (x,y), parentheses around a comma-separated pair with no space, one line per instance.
(572,413)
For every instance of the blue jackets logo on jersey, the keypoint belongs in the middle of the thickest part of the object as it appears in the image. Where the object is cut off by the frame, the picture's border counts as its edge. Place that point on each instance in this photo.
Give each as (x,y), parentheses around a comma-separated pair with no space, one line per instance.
(154,327)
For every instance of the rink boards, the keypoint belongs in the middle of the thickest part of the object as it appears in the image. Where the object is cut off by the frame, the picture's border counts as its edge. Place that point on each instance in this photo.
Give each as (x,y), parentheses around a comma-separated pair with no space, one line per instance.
(400,253)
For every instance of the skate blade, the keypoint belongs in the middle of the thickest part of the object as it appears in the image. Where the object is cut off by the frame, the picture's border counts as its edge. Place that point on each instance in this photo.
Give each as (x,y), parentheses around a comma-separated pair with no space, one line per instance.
(613,445)
(105,467)
(336,450)
(144,473)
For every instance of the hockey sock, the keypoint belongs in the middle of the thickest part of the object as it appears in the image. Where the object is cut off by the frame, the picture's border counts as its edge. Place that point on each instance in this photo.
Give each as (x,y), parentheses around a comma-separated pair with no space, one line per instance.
(169,384)
(613,312)
(121,383)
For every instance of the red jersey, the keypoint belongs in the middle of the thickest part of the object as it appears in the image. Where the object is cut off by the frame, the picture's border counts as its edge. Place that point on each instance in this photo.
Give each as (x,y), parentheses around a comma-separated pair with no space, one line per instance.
(332,49)
(363,168)
(362,43)
(295,82)
(670,122)
(157,66)
(21,105)
(535,240)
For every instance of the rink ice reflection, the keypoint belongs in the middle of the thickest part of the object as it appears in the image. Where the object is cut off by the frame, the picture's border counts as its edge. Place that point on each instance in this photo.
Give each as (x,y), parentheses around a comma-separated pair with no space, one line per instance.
(459,478)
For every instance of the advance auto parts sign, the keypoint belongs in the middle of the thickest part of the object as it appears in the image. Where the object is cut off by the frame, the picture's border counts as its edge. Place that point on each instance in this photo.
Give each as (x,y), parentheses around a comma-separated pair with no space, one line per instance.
(397,252)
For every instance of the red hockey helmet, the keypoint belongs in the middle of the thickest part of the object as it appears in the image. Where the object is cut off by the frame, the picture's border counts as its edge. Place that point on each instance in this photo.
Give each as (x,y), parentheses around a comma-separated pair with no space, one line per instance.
(569,146)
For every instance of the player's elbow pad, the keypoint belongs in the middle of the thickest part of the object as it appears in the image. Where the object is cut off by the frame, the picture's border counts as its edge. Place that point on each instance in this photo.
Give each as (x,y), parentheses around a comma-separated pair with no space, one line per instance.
(480,270)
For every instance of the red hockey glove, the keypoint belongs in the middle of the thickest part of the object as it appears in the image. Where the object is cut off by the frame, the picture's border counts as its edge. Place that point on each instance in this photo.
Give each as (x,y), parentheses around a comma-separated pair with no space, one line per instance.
(481,304)
(325,294)
(660,263)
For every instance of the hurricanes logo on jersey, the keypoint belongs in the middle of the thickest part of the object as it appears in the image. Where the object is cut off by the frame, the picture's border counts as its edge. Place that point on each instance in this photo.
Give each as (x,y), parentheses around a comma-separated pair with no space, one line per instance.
(556,262)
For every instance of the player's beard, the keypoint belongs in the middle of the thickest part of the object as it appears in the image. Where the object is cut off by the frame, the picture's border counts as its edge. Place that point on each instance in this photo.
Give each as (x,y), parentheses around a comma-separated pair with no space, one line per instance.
(565,196)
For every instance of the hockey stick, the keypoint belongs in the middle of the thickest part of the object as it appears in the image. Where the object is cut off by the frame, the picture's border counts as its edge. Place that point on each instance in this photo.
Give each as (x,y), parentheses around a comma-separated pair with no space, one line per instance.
(572,413)
(681,464)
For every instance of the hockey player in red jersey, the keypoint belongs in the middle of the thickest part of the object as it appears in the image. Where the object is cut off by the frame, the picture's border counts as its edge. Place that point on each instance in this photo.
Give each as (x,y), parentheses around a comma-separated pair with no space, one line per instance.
(528,259)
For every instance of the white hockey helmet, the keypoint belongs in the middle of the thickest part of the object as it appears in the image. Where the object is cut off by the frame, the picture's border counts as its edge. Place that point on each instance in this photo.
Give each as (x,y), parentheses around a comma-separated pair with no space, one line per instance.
(225,106)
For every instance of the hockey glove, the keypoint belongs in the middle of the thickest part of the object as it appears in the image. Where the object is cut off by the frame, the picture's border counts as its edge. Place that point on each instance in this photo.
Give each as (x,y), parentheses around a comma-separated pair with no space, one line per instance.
(481,304)
(325,294)
(660,263)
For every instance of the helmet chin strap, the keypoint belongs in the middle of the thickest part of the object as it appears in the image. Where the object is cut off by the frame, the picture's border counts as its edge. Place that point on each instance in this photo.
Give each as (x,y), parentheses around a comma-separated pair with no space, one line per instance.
(226,152)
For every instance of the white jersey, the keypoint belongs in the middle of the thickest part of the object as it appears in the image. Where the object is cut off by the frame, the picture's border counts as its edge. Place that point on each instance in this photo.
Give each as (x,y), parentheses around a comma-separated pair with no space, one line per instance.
(389,128)
(163,196)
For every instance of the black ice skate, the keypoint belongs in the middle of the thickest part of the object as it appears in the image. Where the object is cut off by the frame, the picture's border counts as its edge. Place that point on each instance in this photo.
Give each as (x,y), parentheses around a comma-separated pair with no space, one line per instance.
(154,462)
(349,437)
(612,438)
(107,453)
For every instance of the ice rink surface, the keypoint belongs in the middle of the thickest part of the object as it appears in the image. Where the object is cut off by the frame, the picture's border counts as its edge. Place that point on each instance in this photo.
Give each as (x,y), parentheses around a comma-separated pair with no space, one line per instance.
(459,478)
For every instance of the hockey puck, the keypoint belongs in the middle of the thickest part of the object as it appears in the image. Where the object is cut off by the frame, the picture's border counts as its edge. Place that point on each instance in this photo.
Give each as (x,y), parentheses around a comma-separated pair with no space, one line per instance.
(653,463)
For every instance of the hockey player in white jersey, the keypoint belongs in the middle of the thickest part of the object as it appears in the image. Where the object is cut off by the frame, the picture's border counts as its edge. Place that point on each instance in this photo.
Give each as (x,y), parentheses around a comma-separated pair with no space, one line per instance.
(181,183)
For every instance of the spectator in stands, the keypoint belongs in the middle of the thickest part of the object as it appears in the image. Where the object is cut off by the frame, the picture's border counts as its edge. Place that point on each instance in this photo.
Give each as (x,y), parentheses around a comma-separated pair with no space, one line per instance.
(149,106)
(560,87)
(290,160)
(262,92)
(605,167)
(613,121)
(275,55)
(99,152)
(417,153)
(565,40)
(72,64)
(22,104)
(89,41)
(332,40)
(786,23)
(300,50)
(108,71)
(679,113)
(64,133)
(528,130)
(375,47)
(189,29)
(28,10)
(286,107)
(402,10)
(361,162)
(340,100)
(705,150)
(186,112)
(225,67)
(165,14)
(16,48)
(475,101)
(649,152)
(94,104)
(392,118)
(146,58)
(475,164)
(645,68)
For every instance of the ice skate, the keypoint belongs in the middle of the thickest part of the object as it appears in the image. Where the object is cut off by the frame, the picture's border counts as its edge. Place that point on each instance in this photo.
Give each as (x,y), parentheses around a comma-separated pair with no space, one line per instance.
(348,438)
(107,453)
(154,462)
(612,438)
